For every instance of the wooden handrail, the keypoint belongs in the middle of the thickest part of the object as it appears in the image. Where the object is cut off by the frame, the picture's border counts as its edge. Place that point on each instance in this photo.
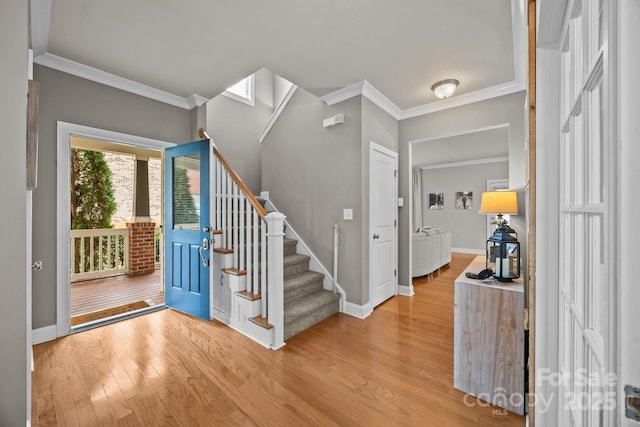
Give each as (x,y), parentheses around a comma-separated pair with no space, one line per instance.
(232,173)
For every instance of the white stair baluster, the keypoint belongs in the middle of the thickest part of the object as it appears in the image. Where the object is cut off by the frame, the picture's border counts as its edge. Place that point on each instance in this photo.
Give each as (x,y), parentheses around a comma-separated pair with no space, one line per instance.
(249,234)
(256,264)
(229,230)
(263,260)
(218,167)
(234,243)
(241,242)
(223,214)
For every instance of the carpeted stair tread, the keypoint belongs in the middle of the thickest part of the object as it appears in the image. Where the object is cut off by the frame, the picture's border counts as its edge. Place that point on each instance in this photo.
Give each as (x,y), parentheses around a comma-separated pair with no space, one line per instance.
(294,264)
(301,284)
(295,259)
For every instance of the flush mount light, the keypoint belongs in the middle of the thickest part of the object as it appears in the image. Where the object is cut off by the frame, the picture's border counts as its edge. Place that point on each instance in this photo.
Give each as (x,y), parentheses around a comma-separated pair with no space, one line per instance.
(445,88)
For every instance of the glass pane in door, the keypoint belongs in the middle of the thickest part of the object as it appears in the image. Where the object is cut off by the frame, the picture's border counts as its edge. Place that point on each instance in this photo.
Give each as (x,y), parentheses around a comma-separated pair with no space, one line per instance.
(186,193)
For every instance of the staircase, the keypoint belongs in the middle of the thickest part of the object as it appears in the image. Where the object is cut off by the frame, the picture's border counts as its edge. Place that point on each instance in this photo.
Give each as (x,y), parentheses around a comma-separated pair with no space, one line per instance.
(273,294)
(306,302)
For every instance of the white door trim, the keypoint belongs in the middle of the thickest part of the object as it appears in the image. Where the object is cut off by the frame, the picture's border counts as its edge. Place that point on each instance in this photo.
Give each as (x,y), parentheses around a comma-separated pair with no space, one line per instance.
(63,221)
(377,147)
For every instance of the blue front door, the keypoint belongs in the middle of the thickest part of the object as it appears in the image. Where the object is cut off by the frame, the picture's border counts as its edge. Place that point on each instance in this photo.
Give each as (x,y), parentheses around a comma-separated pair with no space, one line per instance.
(187,228)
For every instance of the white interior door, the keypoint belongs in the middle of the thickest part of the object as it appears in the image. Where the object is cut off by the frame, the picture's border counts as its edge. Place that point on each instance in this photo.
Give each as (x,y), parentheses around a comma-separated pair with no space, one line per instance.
(383,213)
(587,254)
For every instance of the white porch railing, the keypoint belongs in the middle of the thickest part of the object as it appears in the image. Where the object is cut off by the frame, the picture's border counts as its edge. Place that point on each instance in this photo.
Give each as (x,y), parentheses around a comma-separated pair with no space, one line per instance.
(255,238)
(99,253)
(157,246)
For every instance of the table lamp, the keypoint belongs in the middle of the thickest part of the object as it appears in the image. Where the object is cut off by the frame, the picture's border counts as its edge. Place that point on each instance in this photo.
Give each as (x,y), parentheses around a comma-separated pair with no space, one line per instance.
(503,248)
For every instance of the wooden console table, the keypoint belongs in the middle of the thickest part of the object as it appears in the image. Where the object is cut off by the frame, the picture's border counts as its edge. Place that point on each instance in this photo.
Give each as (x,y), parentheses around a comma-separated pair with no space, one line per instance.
(489,339)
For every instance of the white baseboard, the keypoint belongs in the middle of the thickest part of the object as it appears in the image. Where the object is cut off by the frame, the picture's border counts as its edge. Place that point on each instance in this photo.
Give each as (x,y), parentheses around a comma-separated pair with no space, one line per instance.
(44,334)
(406,290)
(469,251)
(355,310)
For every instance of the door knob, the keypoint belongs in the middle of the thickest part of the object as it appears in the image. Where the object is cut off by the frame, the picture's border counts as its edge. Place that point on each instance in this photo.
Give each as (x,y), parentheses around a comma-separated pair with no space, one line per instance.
(376,236)
(37,265)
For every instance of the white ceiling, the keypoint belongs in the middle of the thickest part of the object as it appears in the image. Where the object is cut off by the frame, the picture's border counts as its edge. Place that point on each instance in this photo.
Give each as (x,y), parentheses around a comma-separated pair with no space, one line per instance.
(200,47)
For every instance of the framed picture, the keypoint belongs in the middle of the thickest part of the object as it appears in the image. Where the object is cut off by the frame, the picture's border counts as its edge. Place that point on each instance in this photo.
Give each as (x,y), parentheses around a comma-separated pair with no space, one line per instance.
(436,201)
(464,200)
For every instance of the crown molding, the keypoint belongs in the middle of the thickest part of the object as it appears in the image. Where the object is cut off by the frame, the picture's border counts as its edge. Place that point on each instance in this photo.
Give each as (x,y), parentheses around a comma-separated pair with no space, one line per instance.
(367,90)
(196,101)
(40,20)
(86,72)
(465,99)
(375,96)
(465,163)
(343,94)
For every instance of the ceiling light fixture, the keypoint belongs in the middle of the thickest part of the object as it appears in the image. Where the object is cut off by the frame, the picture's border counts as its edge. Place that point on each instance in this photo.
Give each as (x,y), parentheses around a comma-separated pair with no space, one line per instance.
(445,88)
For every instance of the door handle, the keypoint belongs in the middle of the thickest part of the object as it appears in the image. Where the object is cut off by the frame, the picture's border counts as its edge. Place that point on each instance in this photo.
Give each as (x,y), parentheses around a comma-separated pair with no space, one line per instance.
(37,265)
(201,249)
(376,236)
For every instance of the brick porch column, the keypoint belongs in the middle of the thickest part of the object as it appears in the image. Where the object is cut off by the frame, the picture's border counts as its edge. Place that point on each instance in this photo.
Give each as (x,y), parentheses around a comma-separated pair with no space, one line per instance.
(142,248)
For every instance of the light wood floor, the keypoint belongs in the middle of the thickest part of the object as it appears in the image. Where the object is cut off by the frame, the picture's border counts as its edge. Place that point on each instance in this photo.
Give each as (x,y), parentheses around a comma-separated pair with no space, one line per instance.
(98,294)
(167,368)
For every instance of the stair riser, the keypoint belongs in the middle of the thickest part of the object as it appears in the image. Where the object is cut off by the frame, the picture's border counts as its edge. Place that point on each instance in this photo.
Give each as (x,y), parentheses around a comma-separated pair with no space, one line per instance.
(300,267)
(295,326)
(289,250)
(293,294)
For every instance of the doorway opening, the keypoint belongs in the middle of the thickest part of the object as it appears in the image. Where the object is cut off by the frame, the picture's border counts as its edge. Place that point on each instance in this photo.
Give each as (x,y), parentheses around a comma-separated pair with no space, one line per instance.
(116,230)
(113,268)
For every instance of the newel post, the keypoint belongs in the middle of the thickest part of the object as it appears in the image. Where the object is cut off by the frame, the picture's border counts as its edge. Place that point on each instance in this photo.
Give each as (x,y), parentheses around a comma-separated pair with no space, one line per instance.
(275,276)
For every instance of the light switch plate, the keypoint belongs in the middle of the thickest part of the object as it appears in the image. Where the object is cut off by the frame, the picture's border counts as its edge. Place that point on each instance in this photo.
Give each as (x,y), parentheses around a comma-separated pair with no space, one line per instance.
(400,202)
(347,214)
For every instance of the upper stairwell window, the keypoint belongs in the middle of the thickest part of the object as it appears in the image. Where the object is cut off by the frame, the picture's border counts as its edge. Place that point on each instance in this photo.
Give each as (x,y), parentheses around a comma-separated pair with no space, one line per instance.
(242,91)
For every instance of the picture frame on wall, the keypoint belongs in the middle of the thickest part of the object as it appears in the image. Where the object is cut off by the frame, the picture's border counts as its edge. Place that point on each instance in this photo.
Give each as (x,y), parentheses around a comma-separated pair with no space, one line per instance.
(464,200)
(436,201)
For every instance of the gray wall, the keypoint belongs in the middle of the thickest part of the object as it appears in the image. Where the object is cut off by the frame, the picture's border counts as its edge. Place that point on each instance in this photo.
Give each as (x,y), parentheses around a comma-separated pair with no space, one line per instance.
(381,128)
(235,127)
(71,99)
(313,173)
(13,263)
(505,109)
(468,228)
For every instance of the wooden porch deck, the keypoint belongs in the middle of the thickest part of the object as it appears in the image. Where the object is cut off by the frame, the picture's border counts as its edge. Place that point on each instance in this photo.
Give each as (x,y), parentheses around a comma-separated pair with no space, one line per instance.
(99,294)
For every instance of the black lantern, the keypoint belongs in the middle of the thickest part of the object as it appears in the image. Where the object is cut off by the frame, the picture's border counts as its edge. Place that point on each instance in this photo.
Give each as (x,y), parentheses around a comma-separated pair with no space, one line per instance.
(503,248)
(503,254)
